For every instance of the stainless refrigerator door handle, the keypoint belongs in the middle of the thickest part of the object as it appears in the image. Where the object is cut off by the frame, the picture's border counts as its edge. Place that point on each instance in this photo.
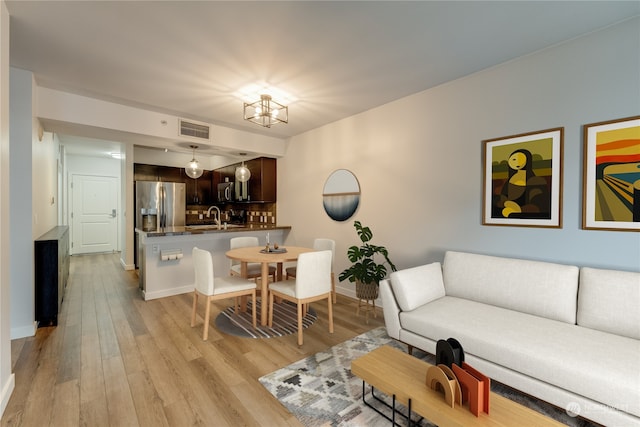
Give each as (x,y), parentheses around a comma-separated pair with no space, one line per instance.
(161,207)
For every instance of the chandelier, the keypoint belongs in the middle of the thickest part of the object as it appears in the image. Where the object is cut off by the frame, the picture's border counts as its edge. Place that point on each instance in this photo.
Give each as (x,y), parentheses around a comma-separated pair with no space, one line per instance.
(266,112)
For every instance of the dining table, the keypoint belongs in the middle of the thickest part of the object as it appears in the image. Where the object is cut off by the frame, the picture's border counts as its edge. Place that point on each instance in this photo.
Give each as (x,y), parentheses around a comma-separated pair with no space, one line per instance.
(258,254)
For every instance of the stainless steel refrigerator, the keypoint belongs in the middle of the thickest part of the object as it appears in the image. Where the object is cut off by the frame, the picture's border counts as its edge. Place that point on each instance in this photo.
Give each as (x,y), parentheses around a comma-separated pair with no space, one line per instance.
(159,205)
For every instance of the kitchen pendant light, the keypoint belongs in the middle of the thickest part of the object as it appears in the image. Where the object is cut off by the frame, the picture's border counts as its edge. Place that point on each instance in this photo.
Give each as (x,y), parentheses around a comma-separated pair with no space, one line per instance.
(243,173)
(193,169)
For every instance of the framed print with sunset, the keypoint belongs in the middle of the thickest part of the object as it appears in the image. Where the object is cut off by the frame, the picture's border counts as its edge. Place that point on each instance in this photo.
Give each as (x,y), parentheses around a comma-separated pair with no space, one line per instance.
(611,178)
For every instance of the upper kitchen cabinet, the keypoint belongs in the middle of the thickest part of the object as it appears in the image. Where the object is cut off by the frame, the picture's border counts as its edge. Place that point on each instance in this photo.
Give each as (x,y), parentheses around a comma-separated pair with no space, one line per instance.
(263,181)
(199,190)
(262,184)
(143,172)
(171,174)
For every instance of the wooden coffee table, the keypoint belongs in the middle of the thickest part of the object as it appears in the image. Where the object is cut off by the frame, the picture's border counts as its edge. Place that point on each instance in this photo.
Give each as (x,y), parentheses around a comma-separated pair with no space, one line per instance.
(403,377)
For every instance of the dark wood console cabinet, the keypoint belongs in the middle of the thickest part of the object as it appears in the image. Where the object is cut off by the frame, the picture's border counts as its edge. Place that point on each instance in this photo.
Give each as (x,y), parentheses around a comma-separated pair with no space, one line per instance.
(51,273)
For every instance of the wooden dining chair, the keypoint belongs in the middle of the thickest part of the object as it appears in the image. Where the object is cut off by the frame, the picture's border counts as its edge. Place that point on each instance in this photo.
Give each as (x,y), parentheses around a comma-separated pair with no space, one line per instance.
(319,245)
(216,288)
(254,269)
(312,283)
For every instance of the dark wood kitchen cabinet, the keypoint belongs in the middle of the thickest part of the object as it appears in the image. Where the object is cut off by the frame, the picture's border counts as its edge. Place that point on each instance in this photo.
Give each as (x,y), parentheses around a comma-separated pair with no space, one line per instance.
(198,191)
(51,273)
(143,172)
(263,181)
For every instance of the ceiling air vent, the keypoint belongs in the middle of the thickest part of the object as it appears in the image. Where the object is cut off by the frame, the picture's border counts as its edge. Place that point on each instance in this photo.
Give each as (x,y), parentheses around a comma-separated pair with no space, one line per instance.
(194,130)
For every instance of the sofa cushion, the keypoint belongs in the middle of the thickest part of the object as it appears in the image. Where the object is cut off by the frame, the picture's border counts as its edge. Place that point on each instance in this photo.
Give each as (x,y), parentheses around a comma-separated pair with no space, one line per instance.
(416,286)
(609,301)
(582,360)
(539,288)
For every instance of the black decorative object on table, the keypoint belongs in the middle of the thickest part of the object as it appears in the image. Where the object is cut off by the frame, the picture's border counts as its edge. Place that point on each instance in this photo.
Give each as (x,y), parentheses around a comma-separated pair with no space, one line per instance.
(449,352)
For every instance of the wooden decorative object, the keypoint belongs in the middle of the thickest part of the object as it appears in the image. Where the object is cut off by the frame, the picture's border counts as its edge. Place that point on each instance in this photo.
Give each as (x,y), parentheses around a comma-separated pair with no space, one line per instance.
(438,379)
(457,391)
(474,389)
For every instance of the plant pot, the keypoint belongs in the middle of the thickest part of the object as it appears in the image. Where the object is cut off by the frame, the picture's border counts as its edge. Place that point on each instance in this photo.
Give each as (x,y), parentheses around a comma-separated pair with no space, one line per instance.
(366,291)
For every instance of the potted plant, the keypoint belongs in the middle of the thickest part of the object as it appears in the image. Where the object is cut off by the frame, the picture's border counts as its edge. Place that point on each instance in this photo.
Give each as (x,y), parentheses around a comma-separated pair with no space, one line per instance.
(364,270)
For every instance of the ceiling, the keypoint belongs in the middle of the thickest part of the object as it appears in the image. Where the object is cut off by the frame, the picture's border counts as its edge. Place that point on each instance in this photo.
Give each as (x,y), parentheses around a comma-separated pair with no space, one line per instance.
(333,59)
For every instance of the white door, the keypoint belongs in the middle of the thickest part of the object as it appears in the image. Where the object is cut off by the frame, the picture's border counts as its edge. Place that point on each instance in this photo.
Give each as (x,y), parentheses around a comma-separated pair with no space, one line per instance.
(94,223)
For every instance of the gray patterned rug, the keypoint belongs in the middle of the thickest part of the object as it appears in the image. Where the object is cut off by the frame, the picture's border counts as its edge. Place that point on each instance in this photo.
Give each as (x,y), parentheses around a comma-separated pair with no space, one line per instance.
(285,321)
(321,391)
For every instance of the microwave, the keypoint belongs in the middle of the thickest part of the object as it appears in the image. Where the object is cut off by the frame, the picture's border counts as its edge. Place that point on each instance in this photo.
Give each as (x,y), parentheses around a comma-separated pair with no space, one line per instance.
(225,192)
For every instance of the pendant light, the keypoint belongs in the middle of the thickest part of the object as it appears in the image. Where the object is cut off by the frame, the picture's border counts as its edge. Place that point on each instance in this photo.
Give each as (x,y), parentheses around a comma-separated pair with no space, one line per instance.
(242,172)
(193,169)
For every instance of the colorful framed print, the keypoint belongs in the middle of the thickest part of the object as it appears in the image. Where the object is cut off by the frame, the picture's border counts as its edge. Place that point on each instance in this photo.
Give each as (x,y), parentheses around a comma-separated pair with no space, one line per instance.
(611,175)
(523,179)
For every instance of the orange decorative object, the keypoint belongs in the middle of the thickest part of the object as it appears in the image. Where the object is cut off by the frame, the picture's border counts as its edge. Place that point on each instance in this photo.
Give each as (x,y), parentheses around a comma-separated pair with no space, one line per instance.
(486,383)
(473,388)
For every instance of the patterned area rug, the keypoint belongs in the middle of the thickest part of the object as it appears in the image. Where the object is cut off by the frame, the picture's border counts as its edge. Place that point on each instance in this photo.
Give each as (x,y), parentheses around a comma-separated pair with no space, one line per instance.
(285,321)
(321,391)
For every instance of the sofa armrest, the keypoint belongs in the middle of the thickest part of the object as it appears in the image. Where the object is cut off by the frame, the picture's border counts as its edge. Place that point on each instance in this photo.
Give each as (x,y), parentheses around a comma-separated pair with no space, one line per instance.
(390,309)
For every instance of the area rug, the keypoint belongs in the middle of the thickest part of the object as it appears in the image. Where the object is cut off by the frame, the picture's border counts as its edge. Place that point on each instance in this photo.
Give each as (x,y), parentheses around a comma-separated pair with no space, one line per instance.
(285,321)
(321,390)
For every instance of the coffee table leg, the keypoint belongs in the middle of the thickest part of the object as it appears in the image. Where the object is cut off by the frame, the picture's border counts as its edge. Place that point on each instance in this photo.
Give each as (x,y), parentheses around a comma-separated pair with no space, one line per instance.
(392,406)
(393,410)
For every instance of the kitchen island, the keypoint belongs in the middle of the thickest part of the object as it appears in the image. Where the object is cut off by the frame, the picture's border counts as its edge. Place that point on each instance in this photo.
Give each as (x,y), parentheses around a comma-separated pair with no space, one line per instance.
(164,256)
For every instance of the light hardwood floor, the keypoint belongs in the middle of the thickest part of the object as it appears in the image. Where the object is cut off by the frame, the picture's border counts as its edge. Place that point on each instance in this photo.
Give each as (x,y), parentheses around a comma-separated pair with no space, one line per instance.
(116,360)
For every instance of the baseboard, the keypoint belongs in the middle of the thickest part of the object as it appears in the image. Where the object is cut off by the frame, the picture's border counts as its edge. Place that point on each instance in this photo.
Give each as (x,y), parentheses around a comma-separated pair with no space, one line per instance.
(24,331)
(167,292)
(126,266)
(7,390)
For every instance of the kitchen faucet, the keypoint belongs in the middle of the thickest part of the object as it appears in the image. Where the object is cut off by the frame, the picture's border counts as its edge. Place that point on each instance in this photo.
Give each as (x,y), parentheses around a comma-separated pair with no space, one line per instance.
(217,217)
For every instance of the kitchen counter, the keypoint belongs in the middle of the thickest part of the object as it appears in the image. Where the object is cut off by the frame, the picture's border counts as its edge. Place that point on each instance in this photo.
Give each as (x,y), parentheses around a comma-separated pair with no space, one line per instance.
(207,229)
(164,256)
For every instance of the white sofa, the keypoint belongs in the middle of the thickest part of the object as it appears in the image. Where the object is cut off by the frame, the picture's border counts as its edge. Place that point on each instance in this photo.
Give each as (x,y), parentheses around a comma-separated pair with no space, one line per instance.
(566,335)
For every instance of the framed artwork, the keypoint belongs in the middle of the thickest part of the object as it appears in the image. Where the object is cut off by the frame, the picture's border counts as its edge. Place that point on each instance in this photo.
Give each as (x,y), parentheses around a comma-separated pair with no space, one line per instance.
(611,175)
(523,179)
(341,195)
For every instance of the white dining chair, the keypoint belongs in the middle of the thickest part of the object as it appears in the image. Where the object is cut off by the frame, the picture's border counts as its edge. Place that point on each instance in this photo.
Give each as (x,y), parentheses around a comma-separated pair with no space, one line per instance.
(254,269)
(312,283)
(216,288)
(319,245)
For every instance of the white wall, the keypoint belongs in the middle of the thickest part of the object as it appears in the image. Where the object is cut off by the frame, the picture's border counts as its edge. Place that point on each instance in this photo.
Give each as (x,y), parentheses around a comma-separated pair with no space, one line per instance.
(127,214)
(44,193)
(7,378)
(20,204)
(33,197)
(418,160)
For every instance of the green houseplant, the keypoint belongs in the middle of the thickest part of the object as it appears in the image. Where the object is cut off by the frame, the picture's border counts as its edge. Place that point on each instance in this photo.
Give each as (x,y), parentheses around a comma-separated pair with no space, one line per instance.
(364,270)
